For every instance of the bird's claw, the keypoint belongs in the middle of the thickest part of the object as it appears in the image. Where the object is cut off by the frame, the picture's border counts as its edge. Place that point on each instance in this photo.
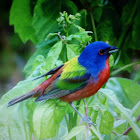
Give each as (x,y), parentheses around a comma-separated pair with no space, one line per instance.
(88,120)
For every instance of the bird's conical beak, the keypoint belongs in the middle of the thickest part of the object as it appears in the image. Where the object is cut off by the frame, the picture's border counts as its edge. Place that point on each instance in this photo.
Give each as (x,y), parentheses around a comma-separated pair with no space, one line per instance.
(112,49)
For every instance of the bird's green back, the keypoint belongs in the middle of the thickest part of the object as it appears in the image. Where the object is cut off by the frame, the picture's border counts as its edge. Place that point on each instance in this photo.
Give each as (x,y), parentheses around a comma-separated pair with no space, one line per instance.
(71,74)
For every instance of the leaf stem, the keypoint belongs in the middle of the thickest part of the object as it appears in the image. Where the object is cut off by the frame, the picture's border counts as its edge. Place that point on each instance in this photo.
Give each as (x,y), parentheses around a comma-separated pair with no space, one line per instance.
(111,95)
(124,67)
(86,110)
(92,20)
(62,38)
(93,26)
(114,133)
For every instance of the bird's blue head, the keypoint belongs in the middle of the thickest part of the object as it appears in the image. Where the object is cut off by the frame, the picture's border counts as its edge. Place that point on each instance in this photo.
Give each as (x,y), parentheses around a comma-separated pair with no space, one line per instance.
(94,57)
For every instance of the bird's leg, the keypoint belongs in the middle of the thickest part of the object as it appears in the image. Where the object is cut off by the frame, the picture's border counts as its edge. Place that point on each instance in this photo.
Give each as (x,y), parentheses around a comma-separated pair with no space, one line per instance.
(86,119)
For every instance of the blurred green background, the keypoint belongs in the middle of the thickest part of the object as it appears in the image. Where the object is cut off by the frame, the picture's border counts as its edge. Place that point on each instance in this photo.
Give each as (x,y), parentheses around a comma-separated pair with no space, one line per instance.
(13,52)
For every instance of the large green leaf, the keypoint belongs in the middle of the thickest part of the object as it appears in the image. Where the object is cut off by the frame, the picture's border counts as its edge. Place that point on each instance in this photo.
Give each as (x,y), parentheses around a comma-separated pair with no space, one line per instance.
(53,55)
(121,137)
(72,50)
(124,111)
(108,28)
(126,90)
(44,18)
(106,123)
(75,131)
(42,50)
(16,121)
(136,32)
(21,18)
(34,20)
(47,117)
(120,126)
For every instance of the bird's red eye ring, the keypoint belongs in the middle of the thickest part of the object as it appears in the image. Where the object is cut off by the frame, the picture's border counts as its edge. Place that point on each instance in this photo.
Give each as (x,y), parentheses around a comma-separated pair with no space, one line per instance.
(101,52)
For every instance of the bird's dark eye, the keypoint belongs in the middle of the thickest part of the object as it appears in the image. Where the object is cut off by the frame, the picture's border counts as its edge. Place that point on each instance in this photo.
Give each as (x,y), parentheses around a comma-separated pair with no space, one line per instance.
(101,52)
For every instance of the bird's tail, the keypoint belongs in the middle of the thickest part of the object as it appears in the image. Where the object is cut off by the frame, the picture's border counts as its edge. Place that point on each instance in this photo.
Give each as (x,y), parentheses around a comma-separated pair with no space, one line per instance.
(39,90)
(22,98)
(33,93)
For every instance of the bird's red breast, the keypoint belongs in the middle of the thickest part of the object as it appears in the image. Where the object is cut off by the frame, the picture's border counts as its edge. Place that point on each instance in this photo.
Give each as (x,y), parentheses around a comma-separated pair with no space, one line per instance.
(91,88)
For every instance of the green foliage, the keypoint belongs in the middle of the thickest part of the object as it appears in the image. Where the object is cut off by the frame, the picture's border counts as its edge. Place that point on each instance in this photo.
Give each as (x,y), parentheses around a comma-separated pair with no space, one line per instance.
(58,39)
(33,21)
(124,88)
(49,114)
(17,118)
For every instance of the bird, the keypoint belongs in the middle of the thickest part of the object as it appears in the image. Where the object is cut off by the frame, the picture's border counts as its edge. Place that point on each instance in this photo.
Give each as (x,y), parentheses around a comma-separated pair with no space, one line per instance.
(78,78)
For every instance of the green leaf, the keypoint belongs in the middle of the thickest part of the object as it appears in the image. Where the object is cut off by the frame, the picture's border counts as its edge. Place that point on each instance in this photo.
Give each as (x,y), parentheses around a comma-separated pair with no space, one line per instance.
(105,32)
(43,50)
(127,10)
(44,18)
(108,28)
(21,18)
(47,118)
(75,131)
(136,32)
(53,55)
(111,95)
(69,6)
(34,20)
(111,61)
(83,19)
(120,126)
(126,90)
(96,132)
(81,36)
(97,13)
(106,123)
(16,121)
(136,110)
(121,137)
(39,66)
(72,50)
(137,76)
(135,113)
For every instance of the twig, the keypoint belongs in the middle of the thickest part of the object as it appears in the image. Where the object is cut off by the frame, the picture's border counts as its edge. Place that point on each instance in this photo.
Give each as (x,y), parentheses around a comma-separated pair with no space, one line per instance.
(114,133)
(128,130)
(62,38)
(86,110)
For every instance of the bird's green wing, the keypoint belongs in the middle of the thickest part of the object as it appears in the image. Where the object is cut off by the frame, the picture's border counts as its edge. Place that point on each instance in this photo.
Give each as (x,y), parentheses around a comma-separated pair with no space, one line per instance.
(72,78)
(73,75)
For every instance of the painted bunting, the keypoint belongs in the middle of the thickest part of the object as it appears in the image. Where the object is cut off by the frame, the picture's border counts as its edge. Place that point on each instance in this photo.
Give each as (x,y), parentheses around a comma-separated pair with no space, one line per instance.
(80,77)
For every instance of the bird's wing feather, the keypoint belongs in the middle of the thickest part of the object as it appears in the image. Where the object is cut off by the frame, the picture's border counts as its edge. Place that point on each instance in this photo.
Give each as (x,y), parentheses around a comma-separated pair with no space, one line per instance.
(50,72)
(72,78)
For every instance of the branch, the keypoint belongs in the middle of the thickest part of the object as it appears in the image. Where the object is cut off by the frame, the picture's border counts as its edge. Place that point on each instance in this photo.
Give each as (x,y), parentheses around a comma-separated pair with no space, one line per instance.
(128,130)
(86,110)
(62,38)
